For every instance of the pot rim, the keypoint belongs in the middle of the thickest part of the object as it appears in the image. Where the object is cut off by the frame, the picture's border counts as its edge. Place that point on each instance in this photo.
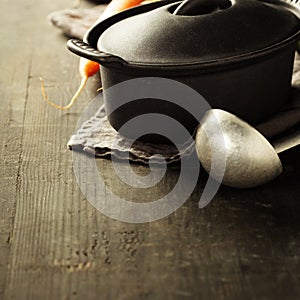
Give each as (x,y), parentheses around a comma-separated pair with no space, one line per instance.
(220,64)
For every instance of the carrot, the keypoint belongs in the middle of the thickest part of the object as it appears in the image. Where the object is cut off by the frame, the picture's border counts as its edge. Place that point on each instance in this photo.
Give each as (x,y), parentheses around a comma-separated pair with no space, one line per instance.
(88,68)
(116,6)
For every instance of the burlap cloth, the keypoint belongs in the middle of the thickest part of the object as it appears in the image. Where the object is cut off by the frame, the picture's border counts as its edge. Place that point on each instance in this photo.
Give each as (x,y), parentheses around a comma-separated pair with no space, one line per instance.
(97,137)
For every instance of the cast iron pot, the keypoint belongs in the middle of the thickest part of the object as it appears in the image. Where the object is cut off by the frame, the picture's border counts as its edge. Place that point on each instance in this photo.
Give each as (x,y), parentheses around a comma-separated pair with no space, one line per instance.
(237,54)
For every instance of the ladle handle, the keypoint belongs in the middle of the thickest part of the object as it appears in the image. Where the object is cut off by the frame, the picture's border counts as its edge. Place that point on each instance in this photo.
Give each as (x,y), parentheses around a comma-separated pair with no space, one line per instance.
(199,7)
(287,142)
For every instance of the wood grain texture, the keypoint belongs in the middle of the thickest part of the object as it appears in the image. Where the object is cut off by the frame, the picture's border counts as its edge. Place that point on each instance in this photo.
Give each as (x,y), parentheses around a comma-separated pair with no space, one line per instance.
(55,245)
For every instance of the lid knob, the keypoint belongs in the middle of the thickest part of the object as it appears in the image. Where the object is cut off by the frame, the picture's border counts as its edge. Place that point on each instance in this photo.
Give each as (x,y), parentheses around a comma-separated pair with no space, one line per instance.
(201,7)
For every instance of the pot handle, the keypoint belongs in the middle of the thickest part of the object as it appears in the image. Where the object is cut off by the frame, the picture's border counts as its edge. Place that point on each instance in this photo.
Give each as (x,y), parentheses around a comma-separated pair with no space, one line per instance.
(85,50)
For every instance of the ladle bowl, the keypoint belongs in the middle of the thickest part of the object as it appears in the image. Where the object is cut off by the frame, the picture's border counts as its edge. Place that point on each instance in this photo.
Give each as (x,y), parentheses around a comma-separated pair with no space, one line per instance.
(250,159)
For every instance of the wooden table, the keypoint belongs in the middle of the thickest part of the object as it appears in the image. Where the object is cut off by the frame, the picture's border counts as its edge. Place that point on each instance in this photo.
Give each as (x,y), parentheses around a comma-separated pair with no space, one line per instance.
(55,245)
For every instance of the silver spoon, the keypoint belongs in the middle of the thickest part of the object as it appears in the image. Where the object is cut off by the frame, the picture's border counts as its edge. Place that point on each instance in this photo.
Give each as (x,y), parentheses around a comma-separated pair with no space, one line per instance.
(250,160)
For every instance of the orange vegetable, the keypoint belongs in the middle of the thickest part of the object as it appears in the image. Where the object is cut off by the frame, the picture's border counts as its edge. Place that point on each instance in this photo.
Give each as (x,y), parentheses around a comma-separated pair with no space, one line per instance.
(88,68)
(116,6)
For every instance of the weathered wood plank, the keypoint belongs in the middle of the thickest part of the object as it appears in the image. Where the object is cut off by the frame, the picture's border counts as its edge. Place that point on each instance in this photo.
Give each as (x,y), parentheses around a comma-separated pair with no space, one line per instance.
(15,66)
(34,129)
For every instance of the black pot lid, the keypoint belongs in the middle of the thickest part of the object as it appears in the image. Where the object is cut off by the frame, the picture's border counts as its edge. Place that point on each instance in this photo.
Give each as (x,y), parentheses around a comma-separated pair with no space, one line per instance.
(205,33)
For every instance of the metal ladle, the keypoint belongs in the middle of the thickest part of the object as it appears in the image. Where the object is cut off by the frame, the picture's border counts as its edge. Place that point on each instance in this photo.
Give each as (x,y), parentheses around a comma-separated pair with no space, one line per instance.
(250,159)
